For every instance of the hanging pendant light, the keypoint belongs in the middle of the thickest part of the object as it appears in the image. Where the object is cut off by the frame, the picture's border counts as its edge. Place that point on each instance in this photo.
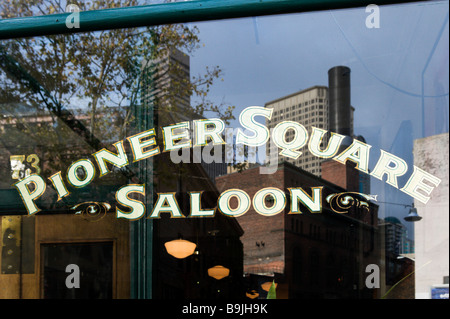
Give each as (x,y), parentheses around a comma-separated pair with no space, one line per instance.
(218,272)
(180,248)
(413,216)
(252,294)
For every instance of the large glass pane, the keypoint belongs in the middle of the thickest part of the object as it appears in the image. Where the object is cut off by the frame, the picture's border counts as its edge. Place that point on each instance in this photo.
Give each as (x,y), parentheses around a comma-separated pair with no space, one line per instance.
(295,156)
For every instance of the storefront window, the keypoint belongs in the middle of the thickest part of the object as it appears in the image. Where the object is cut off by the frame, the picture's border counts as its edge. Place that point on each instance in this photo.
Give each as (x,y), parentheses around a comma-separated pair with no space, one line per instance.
(293,156)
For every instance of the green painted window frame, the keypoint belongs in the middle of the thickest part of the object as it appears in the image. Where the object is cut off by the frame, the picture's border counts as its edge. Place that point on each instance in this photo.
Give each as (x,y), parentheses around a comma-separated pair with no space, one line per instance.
(169,13)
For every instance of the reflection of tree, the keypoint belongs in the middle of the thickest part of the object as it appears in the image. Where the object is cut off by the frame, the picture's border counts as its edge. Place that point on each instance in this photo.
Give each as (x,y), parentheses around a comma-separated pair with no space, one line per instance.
(99,69)
(93,72)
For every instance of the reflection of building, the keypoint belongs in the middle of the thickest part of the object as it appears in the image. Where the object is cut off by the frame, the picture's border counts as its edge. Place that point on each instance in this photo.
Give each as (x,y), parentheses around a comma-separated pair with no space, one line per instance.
(395,236)
(171,72)
(327,108)
(166,86)
(408,246)
(308,107)
(309,255)
(399,262)
(432,231)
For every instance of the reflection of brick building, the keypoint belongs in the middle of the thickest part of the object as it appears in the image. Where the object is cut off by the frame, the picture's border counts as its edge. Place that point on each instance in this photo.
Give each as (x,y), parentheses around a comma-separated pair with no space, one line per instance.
(310,255)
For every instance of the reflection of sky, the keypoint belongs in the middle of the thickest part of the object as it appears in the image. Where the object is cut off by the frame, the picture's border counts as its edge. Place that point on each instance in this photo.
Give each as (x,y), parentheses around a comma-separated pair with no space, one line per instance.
(268,57)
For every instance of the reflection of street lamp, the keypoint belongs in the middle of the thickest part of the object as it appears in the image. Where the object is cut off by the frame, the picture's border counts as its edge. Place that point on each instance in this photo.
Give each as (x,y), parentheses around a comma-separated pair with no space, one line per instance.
(413,216)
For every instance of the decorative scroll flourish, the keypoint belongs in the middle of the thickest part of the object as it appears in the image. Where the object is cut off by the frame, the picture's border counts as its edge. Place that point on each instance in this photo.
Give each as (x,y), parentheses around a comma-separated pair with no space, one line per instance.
(342,202)
(92,211)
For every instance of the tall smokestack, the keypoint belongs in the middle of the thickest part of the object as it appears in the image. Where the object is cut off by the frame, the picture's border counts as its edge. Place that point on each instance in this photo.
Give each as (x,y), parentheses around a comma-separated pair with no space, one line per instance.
(339,100)
(340,121)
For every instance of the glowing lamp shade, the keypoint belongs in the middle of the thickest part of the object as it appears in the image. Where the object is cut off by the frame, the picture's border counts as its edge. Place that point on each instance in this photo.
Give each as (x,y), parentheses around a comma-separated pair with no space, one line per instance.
(218,272)
(252,294)
(266,285)
(180,248)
